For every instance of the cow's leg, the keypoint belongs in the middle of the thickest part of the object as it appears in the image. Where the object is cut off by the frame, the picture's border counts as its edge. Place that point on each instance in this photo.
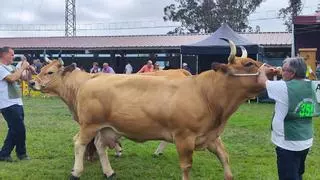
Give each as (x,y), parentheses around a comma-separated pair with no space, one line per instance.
(185,147)
(219,150)
(81,141)
(160,148)
(103,155)
(118,149)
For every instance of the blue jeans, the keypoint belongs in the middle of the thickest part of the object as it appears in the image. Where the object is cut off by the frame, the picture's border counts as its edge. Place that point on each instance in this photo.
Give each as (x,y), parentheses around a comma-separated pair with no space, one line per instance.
(16,136)
(290,163)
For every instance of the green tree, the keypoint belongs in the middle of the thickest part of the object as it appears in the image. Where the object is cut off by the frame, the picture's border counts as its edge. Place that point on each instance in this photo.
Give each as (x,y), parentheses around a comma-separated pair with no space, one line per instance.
(288,13)
(205,16)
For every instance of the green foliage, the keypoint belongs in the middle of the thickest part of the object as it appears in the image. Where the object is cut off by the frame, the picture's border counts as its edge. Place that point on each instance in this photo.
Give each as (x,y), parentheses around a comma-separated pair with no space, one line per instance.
(50,130)
(205,16)
(288,13)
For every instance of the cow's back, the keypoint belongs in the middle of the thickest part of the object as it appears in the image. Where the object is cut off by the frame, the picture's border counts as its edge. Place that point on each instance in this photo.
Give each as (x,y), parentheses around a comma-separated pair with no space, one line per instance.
(134,103)
(170,74)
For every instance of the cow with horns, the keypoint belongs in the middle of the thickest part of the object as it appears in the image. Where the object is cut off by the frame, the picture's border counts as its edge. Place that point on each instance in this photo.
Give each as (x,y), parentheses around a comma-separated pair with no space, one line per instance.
(190,112)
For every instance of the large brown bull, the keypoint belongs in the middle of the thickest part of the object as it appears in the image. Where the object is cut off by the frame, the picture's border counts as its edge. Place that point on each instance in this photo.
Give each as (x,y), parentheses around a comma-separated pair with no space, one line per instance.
(190,112)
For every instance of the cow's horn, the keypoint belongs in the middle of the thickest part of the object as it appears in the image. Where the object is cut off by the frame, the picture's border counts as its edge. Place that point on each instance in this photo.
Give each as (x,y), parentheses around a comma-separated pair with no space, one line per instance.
(47,59)
(244,52)
(233,50)
(61,61)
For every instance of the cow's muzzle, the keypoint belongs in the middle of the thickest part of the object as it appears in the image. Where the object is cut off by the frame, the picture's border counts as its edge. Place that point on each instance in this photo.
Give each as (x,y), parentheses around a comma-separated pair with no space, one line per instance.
(32,83)
(33,86)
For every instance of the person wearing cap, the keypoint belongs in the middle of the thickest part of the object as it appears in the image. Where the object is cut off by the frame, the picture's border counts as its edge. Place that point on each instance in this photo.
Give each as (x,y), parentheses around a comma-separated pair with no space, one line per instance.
(185,67)
(146,68)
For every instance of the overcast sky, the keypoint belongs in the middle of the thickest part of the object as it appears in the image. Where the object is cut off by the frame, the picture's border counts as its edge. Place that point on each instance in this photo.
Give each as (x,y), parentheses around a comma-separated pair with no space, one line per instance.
(147,12)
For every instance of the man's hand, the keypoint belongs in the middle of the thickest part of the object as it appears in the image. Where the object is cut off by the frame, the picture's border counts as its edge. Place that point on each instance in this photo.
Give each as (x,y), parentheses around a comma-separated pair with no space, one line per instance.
(264,70)
(25,65)
(271,71)
(18,73)
(32,69)
(267,69)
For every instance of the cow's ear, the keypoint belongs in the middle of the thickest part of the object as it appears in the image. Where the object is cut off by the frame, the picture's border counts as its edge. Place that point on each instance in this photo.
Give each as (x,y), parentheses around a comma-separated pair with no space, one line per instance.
(219,66)
(67,69)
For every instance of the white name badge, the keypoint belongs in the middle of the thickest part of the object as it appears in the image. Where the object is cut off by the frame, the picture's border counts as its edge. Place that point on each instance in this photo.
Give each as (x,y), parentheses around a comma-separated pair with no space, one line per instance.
(316,89)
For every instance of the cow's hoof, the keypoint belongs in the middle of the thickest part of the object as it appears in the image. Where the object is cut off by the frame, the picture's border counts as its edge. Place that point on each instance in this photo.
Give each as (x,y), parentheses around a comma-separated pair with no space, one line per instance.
(74,178)
(111,177)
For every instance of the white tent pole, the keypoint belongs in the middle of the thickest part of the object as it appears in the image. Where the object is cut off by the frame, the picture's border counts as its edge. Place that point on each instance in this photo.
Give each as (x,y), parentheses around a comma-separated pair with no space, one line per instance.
(197,64)
(292,45)
(180,59)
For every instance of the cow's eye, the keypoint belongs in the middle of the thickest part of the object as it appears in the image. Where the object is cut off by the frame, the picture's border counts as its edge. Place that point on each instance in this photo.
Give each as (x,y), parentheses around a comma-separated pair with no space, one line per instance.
(248,64)
(50,72)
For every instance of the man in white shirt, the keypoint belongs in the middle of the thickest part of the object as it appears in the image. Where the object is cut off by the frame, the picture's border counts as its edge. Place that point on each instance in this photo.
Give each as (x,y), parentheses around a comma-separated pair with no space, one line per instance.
(292,120)
(11,106)
(128,69)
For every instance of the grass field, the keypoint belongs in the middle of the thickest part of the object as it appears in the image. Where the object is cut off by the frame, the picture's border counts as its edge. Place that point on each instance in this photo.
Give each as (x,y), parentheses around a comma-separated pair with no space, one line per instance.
(50,130)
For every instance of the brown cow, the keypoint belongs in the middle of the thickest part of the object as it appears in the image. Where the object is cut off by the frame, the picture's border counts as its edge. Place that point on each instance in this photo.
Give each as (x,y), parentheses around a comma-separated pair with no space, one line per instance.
(169,74)
(191,112)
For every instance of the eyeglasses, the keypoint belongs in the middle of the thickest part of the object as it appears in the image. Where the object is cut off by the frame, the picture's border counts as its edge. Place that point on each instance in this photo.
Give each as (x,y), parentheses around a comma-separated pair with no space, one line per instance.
(287,70)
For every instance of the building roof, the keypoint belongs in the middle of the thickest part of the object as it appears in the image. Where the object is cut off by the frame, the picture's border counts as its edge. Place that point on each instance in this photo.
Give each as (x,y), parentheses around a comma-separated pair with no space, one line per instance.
(309,19)
(132,42)
(270,38)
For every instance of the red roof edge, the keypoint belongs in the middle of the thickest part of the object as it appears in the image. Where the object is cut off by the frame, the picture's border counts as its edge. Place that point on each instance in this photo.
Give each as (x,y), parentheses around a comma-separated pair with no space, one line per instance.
(310,19)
